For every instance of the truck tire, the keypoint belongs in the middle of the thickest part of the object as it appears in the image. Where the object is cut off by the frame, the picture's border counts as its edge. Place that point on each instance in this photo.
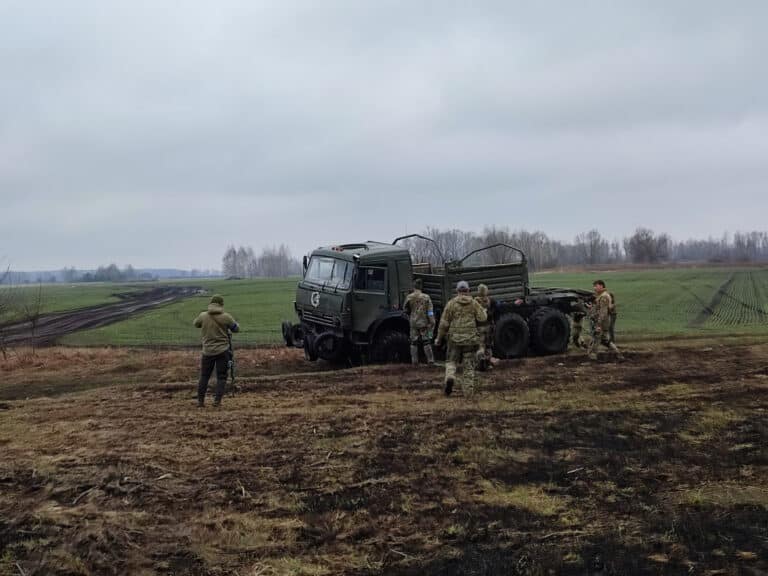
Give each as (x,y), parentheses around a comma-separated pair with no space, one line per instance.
(391,347)
(511,336)
(309,347)
(329,347)
(288,334)
(550,331)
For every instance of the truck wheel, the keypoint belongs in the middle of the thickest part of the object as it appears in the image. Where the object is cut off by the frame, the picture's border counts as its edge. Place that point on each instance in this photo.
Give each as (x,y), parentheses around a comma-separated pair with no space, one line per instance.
(309,348)
(288,334)
(510,339)
(550,331)
(391,347)
(328,347)
(297,334)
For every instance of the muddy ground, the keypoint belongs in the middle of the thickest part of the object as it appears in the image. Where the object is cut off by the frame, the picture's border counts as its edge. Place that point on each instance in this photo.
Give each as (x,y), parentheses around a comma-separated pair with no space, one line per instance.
(558,466)
(50,327)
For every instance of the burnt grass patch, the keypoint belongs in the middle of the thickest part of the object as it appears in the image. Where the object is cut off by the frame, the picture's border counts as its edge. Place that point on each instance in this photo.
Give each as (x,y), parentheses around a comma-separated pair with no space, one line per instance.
(655,466)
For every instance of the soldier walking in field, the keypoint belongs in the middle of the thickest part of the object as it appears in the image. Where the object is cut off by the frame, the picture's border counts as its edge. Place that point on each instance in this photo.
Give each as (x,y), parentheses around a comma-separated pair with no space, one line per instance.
(485,329)
(215,325)
(601,321)
(421,315)
(458,325)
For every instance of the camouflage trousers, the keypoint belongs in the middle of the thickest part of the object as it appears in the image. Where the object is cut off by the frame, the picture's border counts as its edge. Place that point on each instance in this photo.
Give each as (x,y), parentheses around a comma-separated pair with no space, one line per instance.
(461,355)
(577,327)
(421,335)
(602,338)
(486,342)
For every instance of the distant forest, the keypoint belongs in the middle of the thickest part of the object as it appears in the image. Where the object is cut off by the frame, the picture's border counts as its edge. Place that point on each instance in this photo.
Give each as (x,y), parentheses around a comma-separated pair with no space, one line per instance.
(590,248)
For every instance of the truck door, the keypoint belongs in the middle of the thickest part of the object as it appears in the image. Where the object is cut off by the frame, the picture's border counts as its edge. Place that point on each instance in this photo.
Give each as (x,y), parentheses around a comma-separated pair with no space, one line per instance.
(371,296)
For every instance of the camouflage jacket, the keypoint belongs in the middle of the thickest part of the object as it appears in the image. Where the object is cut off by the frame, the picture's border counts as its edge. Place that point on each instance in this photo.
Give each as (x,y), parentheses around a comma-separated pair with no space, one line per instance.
(487,303)
(600,311)
(459,320)
(214,325)
(418,306)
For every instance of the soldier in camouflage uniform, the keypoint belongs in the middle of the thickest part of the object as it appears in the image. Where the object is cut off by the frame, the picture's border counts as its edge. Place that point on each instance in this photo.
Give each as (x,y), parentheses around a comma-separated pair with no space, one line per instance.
(485,329)
(421,314)
(459,325)
(577,323)
(601,321)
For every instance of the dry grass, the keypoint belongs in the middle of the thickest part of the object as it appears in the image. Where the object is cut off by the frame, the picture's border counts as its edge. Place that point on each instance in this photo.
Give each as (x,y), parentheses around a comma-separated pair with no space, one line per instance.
(371,471)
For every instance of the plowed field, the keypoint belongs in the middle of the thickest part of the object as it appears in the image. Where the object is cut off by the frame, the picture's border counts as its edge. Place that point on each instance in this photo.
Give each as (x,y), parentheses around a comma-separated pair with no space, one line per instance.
(558,466)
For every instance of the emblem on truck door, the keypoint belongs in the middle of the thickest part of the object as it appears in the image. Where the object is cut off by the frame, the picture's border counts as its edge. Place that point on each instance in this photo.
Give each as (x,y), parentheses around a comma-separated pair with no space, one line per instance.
(315,299)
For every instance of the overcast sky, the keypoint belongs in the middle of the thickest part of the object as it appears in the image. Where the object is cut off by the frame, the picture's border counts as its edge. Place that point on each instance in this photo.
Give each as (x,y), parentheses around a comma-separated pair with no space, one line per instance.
(156,133)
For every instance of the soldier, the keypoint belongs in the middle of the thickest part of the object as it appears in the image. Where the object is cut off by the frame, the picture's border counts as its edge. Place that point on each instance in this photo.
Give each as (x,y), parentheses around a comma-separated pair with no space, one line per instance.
(600,315)
(214,325)
(459,325)
(577,323)
(485,329)
(421,314)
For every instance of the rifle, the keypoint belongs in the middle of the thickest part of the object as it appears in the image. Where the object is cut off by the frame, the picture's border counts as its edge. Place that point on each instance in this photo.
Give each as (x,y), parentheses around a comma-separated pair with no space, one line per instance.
(231,366)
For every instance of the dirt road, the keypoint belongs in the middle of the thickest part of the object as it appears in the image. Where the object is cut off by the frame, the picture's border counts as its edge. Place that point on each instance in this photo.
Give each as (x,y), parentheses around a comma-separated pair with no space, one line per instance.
(558,466)
(50,327)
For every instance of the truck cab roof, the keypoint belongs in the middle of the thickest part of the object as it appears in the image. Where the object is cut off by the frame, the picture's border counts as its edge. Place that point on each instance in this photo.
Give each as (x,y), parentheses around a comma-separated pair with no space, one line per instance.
(364,252)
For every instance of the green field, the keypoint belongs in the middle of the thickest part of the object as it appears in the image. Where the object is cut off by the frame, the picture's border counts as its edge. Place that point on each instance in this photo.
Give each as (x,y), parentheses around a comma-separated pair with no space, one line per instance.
(653,304)
(659,303)
(258,305)
(63,297)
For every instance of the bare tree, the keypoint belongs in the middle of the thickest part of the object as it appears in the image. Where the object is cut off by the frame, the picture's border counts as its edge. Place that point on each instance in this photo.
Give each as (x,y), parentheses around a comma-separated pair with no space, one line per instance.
(593,248)
(645,247)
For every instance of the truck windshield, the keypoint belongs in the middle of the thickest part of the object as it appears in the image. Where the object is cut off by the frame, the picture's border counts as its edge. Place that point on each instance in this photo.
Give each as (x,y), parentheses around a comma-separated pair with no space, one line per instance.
(330,271)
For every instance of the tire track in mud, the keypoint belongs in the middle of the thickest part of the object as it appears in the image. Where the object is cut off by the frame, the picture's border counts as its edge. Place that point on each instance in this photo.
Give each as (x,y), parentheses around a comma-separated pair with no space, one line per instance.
(51,327)
(710,309)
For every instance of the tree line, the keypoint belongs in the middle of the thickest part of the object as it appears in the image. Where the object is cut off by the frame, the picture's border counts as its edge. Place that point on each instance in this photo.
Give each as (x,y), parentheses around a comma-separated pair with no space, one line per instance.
(644,246)
(272,262)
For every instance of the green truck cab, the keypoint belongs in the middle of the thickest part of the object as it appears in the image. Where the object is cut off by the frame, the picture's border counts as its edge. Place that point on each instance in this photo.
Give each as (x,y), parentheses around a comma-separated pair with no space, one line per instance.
(350,301)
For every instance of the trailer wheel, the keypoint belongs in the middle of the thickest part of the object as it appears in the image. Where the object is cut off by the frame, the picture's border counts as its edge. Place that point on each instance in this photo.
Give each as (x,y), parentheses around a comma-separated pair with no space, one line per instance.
(391,347)
(550,331)
(510,339)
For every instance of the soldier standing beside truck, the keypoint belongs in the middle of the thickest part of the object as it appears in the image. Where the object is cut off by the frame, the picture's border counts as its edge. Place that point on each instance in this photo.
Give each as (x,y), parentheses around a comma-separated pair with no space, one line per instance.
(577,323)
(458,325)
(600,314)
(421,315)
(484,353)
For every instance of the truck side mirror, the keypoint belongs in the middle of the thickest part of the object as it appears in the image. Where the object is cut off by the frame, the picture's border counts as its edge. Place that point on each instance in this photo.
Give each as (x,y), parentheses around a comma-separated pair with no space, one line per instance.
(305,263)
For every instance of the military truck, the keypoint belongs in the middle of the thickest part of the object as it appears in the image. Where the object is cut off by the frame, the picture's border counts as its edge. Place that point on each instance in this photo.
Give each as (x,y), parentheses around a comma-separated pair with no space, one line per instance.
(350,302)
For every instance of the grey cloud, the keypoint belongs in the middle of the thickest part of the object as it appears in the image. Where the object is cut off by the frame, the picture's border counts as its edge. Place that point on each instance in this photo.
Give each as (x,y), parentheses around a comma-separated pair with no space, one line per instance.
(128,122)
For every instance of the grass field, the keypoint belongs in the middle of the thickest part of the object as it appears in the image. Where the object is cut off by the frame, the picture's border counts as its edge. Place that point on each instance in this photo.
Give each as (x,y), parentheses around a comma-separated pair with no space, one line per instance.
(681,302)
(653,304)
(64,297)
(258,305)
